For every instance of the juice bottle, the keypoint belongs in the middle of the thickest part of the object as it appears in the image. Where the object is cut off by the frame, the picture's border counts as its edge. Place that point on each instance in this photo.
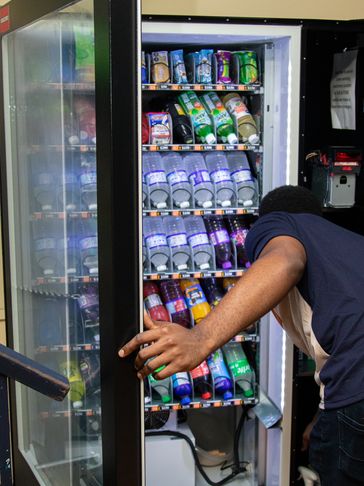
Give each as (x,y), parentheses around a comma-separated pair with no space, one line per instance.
(212,291)
(174,301)
(153,303)
(223,121)
(238,110)
(195,298)
(71,370)
(201,122)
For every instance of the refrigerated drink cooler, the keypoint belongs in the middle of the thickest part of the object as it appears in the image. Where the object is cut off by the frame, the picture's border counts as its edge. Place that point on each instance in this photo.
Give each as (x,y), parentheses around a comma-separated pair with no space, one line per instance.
(98,191)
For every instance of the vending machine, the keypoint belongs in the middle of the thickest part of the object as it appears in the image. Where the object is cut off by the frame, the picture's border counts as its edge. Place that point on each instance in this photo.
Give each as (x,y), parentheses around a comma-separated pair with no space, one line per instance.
(134,155)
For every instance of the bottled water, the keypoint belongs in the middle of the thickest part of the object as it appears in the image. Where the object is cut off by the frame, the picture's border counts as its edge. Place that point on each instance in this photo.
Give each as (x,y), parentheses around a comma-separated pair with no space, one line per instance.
(145,192)
(242,176)
(199,242)
(220,239)
(156,179)
(156,242)
(44,191)
(177,241)
(220,174)
(88,186)
(68,255)
(89,246)
(200,179)
(69,192)
(45,233)
(178,179)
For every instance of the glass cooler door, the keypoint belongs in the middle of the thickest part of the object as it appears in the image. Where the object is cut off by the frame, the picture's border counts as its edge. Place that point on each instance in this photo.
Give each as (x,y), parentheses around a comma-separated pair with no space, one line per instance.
(52,211)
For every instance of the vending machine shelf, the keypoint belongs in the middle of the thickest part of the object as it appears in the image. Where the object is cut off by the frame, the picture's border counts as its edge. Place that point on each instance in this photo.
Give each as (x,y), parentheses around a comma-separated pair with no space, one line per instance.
(72,87)
(234,402)
(65,280)
(200,212)
(200,147)
(62,147)
(215,273)
(68,348)
(43,215)
(255,88)
(87,412)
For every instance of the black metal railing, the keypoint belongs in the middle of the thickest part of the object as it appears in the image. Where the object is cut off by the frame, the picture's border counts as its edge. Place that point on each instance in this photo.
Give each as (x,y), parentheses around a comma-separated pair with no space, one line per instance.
(32,374)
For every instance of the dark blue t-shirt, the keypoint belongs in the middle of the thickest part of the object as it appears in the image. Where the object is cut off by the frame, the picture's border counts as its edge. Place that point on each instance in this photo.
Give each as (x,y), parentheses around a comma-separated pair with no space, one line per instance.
(333,287)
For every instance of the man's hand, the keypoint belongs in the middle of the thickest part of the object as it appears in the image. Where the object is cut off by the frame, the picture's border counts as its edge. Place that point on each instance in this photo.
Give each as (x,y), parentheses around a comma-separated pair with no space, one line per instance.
(170,345)
(307,433)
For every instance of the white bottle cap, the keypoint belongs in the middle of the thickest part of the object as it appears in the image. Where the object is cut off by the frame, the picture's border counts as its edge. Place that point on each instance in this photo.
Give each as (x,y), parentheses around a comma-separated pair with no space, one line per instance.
(162,268)
(207,204)
(94,270)
(248,202)
(225,204)
(71,270)
(184,204)
(182,267)
(210,138)
(204,266)
(253,139)
(46,207)
(73,140)
(161,205)
(77,404)
(92,207)
(232,139)
(93,140)
(48,271)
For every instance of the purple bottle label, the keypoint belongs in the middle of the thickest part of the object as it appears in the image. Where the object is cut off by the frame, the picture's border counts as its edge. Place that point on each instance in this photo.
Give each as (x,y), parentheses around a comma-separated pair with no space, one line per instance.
(89,242)
(239,236)
(219,237)
(176,240)
(176,177)
(88,178)
(154,241)
(88,300)
(156,177)
(177,305)
(199,177)
(242,175)
(198,239)
(45,244)
(220,175)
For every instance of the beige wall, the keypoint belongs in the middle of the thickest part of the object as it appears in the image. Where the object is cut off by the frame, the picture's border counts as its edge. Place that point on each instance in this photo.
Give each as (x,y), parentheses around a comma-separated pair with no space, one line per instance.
(308,9)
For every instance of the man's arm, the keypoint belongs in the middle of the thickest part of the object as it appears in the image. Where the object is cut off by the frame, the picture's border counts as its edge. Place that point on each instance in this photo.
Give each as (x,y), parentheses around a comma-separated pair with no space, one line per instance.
(279,267)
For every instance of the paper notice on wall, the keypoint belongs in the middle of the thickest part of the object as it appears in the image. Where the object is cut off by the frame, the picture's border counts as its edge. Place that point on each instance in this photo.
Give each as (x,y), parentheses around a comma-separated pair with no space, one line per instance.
(342,90)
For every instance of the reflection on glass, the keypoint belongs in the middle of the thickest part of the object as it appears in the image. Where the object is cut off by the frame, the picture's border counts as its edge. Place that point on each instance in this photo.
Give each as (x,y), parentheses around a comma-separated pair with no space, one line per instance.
(52,185)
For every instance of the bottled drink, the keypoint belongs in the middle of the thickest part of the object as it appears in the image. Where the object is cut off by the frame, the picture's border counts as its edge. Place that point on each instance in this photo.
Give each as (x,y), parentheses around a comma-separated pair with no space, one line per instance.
(182,387)
(178,179)
(46,233)
(238,231)
(199,241)
(156,179)
(199,177)
(202,380)
(68,256)
(228,283)
(201,122)
(88,188)
(145,129)
(90,372)
(220,239)
(195,298)
(145,256)
(153,303)
(222,120)
(173,299)
(182,131)
(49,322)
(220,175)
(145,192)
(213,292)
(240,368)
(242,176)
(88,302)
(69,192)
(71,370)
(239,111)
(220,374)
(156,242)
(161,387)
(89,246)
(85,111)
(177,241)
(44,191)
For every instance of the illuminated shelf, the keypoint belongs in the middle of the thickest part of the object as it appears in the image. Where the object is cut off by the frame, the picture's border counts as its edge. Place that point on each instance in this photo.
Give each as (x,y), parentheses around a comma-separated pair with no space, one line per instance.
(176,275)
(64,280)
(243,338)
(255,88)
(41,215)
(234,402)
(84,87)
(67,348)
(62,147)
(201,147)
(200,212)
(87,412)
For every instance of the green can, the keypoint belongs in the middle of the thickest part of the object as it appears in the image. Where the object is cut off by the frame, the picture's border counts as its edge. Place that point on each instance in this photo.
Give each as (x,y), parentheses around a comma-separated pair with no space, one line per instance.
(248,66)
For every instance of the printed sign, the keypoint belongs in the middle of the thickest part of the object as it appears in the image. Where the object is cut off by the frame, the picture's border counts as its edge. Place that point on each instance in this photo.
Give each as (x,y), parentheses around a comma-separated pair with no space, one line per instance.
(4,19)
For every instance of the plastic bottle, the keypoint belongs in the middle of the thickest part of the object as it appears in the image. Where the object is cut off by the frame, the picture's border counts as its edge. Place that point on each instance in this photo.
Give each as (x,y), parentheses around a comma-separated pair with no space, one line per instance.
(238,231)
(201,122)
(71,370)
(177,241)
(220,239)
(88,302)
(45,233)
(182,387)
(68,256)
(240,368)
(195,298)
(223,122)
(89,246)
(239,111)
(161,387)
(228,283)
(44,190)
(153,303)
(199,178)
(156,179)
(175,303)
(145,191)
(145,129)
(182,131)
(49,322)
(199,242)
(213,292)
(90,372)
(201,379)
(241,174)
(69,192)
(156,242)
(178,179)
(220,175)
(220,374)
(88,188)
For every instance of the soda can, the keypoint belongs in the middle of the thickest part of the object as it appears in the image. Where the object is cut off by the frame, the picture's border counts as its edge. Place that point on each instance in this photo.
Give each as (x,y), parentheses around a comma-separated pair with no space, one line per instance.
(248,66)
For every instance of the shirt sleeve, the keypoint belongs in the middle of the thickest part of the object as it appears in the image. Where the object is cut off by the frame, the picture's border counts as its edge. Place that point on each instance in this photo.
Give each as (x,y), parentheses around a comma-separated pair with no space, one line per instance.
(267,227)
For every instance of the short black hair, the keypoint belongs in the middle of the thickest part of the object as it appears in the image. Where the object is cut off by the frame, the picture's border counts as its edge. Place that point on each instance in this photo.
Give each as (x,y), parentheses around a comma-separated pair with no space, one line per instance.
(290,199)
